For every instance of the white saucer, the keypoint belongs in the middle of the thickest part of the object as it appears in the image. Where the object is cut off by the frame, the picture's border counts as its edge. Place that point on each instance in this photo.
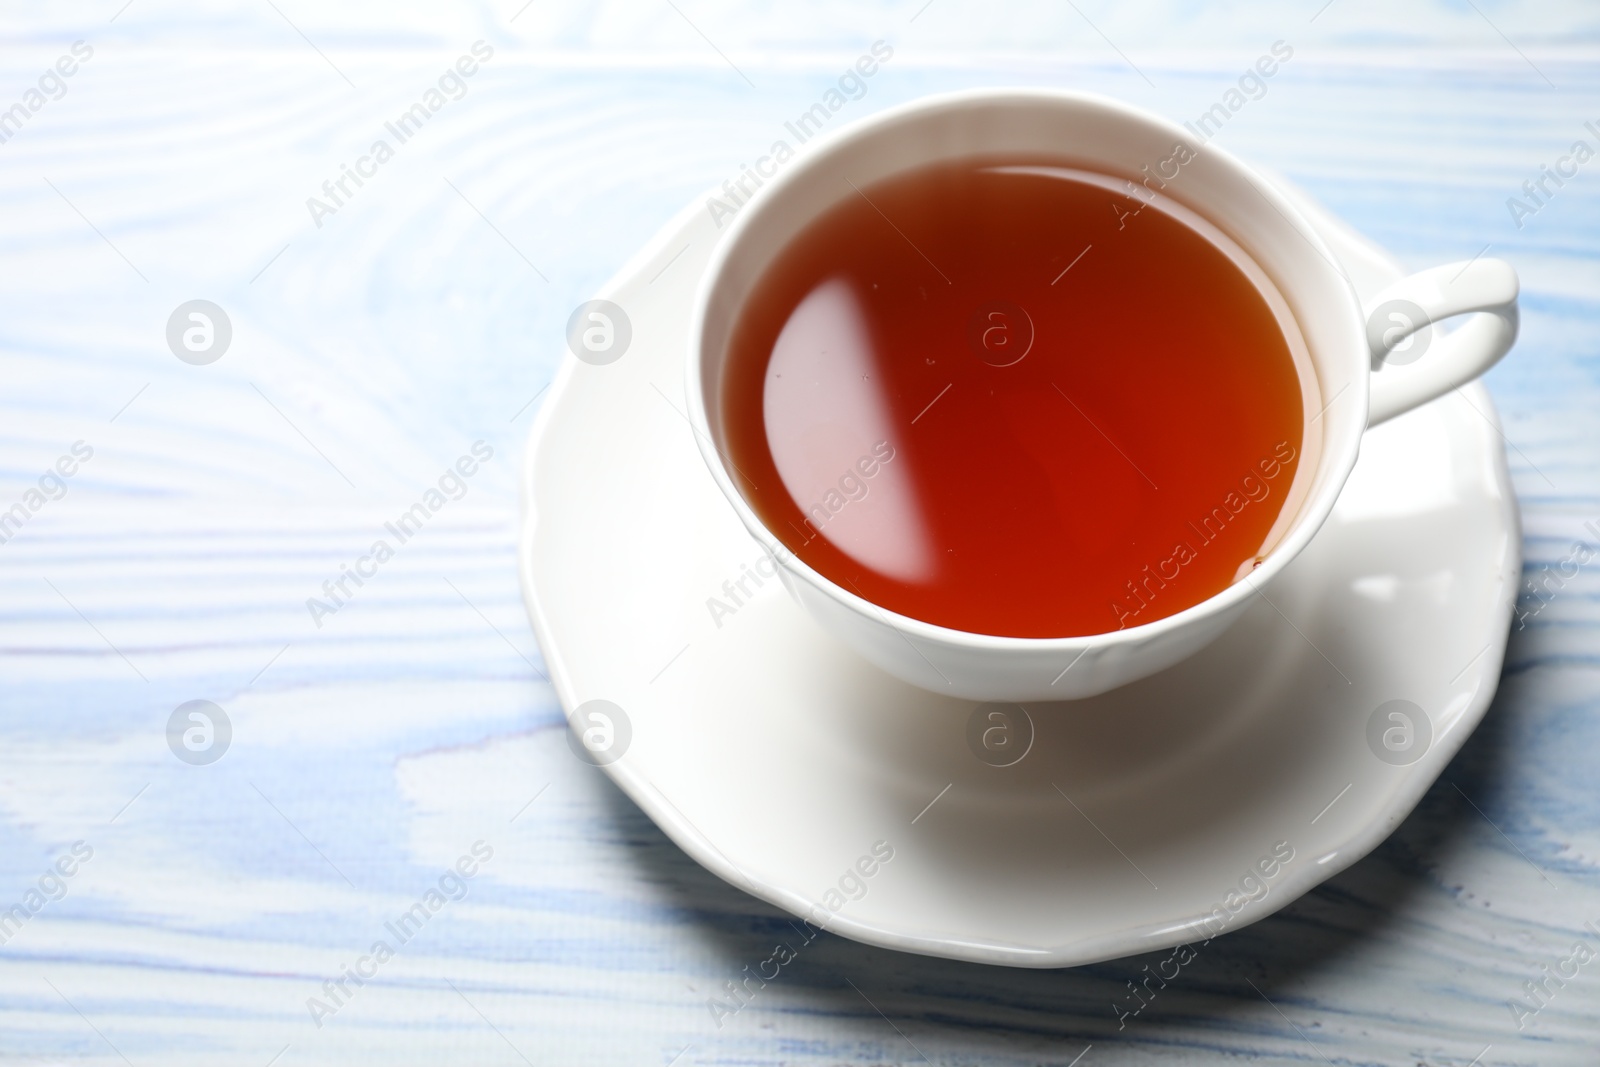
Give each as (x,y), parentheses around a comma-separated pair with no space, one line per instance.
(778,759)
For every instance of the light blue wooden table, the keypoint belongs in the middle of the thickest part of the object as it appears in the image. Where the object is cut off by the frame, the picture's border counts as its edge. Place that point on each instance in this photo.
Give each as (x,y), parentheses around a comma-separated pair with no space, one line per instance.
(171,911)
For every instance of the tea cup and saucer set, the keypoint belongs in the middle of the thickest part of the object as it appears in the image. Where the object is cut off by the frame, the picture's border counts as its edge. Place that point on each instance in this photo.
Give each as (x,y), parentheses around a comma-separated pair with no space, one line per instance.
(1027,801)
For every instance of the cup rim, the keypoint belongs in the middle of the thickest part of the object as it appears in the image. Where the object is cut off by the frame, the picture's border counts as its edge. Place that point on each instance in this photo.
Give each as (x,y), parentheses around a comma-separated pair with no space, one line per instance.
(1314,511)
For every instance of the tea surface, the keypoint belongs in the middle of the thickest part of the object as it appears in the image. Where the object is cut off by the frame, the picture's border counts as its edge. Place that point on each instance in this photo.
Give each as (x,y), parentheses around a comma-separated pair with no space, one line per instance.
(1011,401)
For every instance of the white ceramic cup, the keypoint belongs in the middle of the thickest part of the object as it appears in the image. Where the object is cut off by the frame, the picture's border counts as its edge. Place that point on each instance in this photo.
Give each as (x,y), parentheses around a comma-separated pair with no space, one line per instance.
(1344,349)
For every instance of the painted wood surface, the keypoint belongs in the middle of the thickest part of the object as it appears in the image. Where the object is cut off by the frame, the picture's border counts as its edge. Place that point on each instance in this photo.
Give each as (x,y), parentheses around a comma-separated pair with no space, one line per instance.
(374,748)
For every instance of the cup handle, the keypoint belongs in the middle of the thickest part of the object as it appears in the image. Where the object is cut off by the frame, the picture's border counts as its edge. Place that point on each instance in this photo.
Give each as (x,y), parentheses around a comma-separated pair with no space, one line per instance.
(1436,363)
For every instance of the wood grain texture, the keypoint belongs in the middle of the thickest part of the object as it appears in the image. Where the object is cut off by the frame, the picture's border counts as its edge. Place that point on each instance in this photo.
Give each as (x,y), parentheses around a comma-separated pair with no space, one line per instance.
(370,753)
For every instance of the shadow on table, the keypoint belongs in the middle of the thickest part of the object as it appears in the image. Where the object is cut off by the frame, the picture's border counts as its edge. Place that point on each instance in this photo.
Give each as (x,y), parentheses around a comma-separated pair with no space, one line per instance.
(1037,1014)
